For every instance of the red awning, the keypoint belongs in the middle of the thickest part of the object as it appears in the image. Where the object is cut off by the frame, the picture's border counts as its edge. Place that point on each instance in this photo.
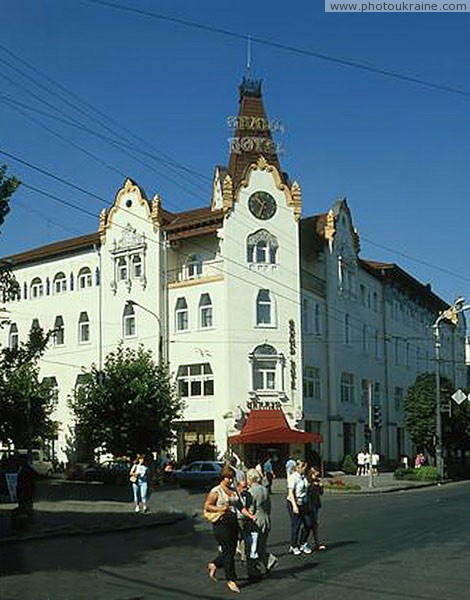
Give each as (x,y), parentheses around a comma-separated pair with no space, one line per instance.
(271,427)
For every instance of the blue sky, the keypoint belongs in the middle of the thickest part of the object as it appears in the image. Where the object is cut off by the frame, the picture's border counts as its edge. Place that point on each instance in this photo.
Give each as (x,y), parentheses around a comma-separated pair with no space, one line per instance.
(397,150)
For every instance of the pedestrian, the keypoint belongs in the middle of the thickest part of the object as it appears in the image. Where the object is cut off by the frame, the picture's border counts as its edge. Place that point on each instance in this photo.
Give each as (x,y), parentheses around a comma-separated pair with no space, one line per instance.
(375,464)
(419,460)
(290,465)
(297,488)
(268,469)
(361,463)
(367,463)
(248,537)
(260,562)
(138,476)
(315,491)
(219,508)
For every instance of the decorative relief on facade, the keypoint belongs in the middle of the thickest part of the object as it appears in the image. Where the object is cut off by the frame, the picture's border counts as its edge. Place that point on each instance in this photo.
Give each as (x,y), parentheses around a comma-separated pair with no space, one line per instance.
(103,218)
(129,256)
(227,193)
(296,200)
(156,211)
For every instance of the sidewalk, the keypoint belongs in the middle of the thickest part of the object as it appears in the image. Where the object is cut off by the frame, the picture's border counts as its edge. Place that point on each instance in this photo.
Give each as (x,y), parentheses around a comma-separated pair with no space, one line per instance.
(65,508)
(76,508)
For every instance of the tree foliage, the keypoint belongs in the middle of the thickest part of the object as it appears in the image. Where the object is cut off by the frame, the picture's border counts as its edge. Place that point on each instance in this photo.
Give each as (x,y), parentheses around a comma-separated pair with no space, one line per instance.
(130,408)
(26,402)
(420,415)
(8,186)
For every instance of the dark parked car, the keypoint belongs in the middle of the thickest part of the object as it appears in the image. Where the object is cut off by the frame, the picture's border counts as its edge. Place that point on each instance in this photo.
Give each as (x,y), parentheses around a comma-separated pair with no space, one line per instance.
(115,471)
(199,474)
(82,472)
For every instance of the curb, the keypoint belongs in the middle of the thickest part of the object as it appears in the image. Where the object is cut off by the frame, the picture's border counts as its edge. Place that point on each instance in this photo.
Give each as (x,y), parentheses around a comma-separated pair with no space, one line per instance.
(57,533)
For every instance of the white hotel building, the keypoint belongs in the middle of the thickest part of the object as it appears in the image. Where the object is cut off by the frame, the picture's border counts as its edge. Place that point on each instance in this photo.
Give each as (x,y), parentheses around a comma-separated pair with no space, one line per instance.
(253,305)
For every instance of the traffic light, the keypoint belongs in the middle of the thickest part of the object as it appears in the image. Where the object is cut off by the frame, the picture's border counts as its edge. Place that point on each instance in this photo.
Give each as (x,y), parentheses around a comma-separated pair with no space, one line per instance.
(377,415)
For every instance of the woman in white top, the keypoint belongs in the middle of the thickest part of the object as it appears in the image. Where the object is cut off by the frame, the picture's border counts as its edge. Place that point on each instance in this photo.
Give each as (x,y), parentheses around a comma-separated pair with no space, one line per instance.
(222,500)
(139,479)
(297,496)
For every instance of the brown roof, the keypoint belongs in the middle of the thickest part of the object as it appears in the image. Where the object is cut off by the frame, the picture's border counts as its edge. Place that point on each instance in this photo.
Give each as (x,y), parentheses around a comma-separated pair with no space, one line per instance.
(69,246)
(193,222)
(391,272)
(251,108)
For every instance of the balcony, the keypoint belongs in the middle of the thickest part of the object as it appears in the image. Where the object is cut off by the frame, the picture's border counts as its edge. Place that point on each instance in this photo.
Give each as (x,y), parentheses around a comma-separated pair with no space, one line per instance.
(195,272)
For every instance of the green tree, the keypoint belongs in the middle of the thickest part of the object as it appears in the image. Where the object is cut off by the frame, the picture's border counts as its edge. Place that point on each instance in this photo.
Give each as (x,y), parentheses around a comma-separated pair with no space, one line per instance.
(129,407)
(8,186)
(8,284)
(26,402)
(420,410)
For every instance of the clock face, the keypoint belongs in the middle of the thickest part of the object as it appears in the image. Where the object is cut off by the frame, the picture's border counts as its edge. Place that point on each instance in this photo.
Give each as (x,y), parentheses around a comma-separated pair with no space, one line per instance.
(262,205)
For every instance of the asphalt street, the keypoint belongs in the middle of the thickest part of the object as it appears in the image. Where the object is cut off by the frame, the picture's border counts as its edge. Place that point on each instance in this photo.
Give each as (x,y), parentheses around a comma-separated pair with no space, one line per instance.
(406,545)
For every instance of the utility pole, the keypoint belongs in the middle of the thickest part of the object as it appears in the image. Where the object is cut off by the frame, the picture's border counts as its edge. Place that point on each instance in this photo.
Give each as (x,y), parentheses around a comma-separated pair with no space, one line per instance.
(451,314)
(371,423)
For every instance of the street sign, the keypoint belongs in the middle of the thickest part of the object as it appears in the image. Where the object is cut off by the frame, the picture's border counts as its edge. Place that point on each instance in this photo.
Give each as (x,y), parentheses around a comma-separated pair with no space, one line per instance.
(459,397)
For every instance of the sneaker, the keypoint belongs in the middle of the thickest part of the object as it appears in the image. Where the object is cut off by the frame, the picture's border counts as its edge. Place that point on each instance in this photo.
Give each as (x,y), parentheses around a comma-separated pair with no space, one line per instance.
(272,562)
(305,548)
(145,509)
(295,551)
(137,509)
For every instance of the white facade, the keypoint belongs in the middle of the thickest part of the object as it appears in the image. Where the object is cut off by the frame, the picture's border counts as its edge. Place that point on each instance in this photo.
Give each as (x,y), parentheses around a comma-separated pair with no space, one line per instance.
(252,307)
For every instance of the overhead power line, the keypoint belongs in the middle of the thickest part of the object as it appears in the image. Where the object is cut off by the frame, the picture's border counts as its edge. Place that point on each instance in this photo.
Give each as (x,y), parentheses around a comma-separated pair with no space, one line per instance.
(344,62)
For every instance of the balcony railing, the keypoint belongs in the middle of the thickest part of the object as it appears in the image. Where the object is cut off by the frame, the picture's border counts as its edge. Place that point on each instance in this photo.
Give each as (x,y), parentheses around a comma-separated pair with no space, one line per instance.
(196,270)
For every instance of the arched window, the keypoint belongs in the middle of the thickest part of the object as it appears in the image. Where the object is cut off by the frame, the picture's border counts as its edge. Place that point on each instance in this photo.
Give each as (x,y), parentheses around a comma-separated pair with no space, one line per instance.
(181,315)
(84,278)
(35,325)
(128,321)
(265,362)
(13,337)
(261,247)
(59,331)
(83,328)
(264,312)
(205,311)
(37,288)
(60,283)
(136,266)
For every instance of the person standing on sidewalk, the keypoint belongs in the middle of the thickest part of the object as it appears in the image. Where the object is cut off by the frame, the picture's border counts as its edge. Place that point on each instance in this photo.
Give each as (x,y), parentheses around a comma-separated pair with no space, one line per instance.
(297,493)
(361,463)
(269,473)
(138,476)
(315,491)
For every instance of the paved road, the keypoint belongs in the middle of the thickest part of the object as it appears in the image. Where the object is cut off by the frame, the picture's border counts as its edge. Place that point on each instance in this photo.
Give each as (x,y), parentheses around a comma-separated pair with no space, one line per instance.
(407,545)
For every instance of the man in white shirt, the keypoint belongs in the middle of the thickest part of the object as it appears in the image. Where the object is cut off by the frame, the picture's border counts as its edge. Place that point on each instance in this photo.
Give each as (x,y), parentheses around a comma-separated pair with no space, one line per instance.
(361,463)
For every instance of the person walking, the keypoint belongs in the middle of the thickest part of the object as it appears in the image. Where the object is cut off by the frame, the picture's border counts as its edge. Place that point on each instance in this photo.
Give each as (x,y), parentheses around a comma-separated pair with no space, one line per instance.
(290,465)
(138,476)
(219,507)
(268,469)
(297,491)
(315,491)
(262,561)
(375,464)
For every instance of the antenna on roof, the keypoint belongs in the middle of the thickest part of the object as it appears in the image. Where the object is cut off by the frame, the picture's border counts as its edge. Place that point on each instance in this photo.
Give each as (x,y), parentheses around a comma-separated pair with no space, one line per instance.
(248,56)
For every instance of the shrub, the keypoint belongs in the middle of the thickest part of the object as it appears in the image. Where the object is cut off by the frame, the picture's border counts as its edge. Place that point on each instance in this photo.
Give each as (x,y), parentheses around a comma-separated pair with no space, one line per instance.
(426,474)
(338,484)
(422,474)
(402,473)
(349,465)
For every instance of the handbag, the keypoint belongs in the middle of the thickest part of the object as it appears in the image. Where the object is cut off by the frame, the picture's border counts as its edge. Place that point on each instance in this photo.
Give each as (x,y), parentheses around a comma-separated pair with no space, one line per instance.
(213,517)
(133,477)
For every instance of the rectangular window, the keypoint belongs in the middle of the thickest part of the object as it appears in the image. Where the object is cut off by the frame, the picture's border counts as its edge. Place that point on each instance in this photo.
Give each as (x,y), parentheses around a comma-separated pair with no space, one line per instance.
(129,326)
(398,398)
(312,387)
(195,381)
(347,388)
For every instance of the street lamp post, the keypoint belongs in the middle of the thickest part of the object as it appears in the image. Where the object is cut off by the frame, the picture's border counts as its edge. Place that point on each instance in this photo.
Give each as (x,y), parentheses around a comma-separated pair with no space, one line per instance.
(451,314)
(160,337)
